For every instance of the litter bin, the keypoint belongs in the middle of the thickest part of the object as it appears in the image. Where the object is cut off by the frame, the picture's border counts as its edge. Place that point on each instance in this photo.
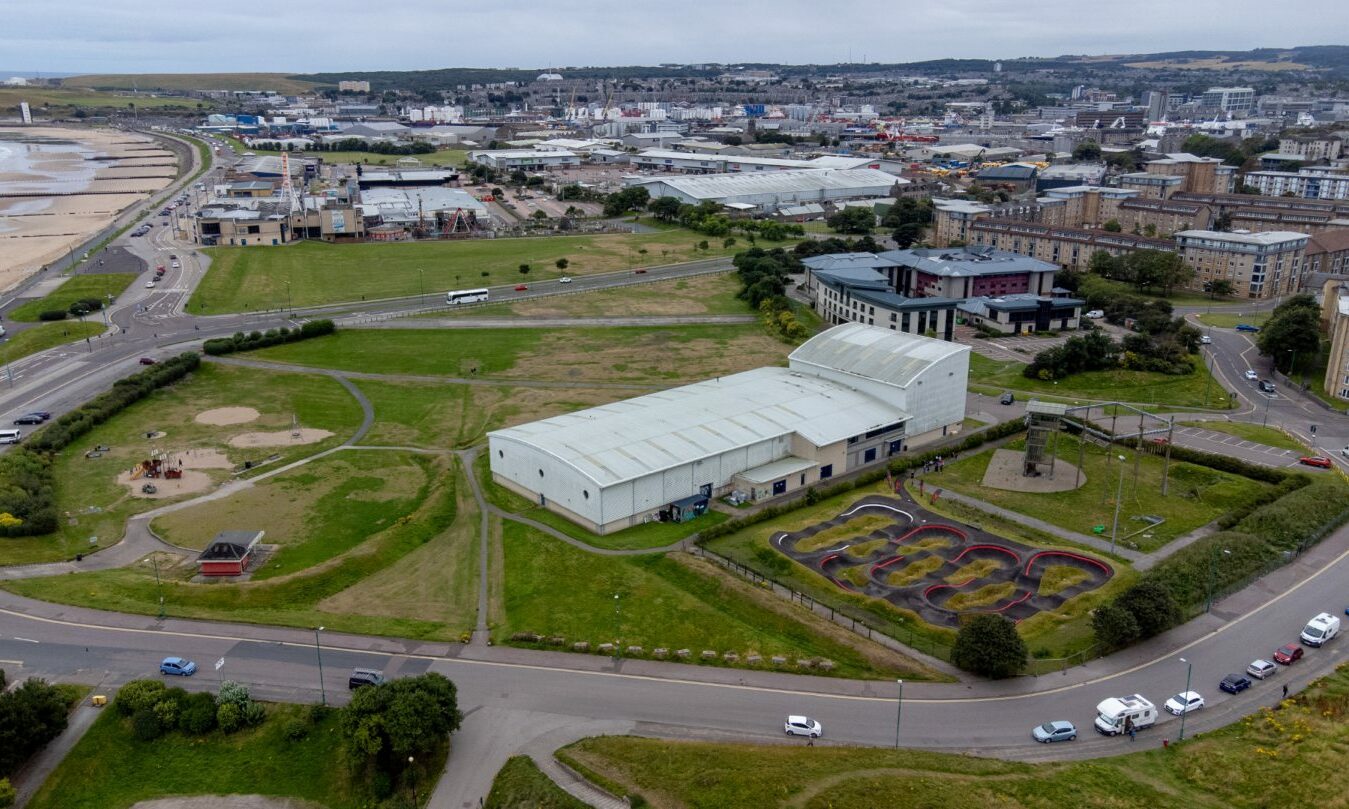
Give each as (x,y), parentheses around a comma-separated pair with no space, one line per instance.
(79,557)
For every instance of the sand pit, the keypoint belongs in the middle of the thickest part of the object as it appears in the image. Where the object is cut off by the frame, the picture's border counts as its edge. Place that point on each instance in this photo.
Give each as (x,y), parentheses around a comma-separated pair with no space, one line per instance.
(191,482)
(280,438)
(1004,472)
(222,416)
(201,459)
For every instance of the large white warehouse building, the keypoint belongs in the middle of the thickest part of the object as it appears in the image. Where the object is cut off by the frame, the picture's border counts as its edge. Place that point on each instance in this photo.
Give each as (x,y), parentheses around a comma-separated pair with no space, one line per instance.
(768,191)
(851,397)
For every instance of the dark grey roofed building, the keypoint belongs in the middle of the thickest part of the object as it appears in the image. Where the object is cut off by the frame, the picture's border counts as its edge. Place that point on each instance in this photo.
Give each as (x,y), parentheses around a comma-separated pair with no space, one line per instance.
(1023,314)
(966,272)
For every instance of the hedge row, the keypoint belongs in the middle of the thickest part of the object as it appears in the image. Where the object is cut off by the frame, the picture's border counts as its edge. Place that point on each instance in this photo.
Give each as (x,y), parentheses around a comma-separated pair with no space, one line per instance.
(271,337)
(815,494)
(27,484)
(1266,537)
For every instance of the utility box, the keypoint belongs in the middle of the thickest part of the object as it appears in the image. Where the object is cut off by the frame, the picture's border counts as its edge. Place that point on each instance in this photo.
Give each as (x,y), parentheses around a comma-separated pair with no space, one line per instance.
(98,700)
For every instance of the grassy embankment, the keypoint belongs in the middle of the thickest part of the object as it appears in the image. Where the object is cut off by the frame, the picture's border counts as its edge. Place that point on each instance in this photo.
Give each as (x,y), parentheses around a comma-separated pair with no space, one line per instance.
(1258,762)
(695,295)
(76,288)
(246,278)
(991,377)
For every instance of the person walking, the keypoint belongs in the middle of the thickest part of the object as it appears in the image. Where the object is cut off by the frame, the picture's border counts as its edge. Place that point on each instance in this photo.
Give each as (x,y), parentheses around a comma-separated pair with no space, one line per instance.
(1285,690)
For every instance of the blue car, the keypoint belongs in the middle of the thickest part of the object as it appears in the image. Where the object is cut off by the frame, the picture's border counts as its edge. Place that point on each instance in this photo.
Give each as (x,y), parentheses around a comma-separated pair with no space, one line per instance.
(179,666)
(1247,327)
(1235,683)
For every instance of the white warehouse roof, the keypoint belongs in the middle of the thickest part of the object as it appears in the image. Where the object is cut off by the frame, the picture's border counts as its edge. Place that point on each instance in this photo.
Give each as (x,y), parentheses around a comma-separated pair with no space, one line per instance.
(715,186)
(888,356)
(636,437)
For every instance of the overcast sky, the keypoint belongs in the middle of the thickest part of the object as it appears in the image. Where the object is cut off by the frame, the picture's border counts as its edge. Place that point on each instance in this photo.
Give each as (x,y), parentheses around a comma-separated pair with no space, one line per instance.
(301,36)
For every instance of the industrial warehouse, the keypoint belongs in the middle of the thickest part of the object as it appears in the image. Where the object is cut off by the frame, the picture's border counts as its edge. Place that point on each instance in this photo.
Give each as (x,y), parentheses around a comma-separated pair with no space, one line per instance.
(766,192)
(851,397)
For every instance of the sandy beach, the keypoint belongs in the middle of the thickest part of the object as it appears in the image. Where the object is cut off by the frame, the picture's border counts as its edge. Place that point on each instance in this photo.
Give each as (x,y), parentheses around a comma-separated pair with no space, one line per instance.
(73,182)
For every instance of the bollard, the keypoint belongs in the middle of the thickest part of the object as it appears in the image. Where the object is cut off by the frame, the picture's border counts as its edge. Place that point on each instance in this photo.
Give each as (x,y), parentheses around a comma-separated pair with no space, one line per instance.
(1166,743)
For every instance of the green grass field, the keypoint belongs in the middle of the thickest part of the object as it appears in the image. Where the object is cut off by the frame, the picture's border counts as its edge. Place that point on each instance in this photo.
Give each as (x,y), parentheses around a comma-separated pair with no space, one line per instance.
(696,295)
(1229,320)
(441,157)
(665,600)
(110,769)
(520,784)
(1196,495)
(90,100)
(1268,436)
(1191,390)
(76,288)
(313,273)
(1255,763)
(49,335)
(98,505)
(278,82)
(640,355)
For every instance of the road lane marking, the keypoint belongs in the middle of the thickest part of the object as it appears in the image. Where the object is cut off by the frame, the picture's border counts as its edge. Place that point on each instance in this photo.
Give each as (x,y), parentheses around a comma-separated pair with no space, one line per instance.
(26,640)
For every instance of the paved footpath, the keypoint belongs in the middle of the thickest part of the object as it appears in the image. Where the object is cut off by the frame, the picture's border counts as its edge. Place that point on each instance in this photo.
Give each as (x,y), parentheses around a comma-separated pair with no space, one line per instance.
(27,781)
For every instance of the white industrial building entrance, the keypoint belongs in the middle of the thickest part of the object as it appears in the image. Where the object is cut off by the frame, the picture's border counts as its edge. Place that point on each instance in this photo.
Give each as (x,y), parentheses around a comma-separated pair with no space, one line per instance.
(851,396)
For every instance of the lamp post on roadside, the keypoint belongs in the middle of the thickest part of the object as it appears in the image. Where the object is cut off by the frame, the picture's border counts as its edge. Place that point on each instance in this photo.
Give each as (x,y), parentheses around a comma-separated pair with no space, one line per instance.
(618,629)
(1184,698)
(899,711)
(1212,574)
(1119,496)
(159,585)
(318,650)
(289,303)
(421,276)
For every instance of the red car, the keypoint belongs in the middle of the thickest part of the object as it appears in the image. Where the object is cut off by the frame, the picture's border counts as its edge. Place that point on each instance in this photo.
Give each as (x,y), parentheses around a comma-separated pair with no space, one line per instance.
(640,272)
(520,287)
(148,360)
(1313,460)
(1288,655)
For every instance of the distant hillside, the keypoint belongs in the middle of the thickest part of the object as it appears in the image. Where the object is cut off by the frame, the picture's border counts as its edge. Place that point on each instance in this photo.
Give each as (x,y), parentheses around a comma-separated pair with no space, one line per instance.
(449,78)
(276,82)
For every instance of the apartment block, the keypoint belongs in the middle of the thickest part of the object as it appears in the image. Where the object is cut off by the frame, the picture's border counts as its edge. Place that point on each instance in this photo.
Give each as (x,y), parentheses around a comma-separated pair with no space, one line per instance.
(1200,175)
(1312,149)
(1067,247)
(1161,217)
(1304,183)
(1152,186)
(1328,252)
(1335,310)
(1258,265)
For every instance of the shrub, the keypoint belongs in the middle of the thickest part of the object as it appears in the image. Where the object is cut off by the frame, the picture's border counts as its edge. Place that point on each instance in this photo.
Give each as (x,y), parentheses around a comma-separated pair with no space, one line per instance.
(228,717)
(145,725)
(52,314)
(1114,626)
(253,340)
(137,695)
(295,730)
(988,645)
(166,713)
(1152,607)
(196,714)
(253,714)
(231,691)
(318,713)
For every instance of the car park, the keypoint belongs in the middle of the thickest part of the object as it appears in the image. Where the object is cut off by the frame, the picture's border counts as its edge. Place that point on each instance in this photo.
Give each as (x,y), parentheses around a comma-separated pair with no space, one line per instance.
(1235,683)
(1315,460)
(1059,731)
(1266,386)
(29,418)
(178,666)
(803,726)
(1260,669)
(362,677)
(1247,327)
(1251,375)
(1184,702)
(1288,654)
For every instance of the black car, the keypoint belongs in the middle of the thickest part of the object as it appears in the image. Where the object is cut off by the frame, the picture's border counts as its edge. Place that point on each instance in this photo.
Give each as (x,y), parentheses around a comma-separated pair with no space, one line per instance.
(29,418)
(363,677)
(1266,386)
(1007,399)
(42,414)
(1235,683)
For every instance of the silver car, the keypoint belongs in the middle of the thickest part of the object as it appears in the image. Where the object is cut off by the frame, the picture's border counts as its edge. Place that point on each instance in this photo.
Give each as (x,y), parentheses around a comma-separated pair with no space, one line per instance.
(1059,731)
(1260,669)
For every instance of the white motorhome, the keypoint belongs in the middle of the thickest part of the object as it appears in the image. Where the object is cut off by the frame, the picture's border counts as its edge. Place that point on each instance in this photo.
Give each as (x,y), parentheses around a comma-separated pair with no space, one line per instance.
(1320,629)
(1115,715)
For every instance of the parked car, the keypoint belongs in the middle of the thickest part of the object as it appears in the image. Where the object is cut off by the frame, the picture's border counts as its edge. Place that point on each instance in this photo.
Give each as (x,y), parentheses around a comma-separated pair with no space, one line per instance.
(1320,629)
(1247,327)
(150,284)
(1095,314)
(640,272)
(1184,702)
(179,666)
(803,726)
(363,677)
(42,414)
(564,280)
(520,287)
(1345,452)
(148,361)
(1315,460)
(1059,731)
(1235,683)
(29,418)
(1288,654)
(1206,340)
(1251,375)
(1260,669)
(1007,398)
(1266,386)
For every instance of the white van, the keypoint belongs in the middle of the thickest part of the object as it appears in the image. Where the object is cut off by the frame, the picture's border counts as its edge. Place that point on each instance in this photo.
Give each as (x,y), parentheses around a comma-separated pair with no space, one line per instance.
(10,436)
(1320,629)
(1115,715)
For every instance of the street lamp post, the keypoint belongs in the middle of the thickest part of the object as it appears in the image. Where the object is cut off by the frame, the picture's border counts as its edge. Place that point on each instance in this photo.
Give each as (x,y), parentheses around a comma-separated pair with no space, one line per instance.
(289,303)
(1119,496)
(1212,573)
(159,585)
(421,276)
(412,772)
(899,711)
(1185,705)
(318,651)
(1269,397)
(618,630)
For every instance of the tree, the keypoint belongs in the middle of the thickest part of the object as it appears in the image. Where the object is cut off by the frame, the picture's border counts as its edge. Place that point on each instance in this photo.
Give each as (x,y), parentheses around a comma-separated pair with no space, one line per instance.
(561,263)
(524,269)
(852,220)
(1112,226)
(1152,606)
(906,234)
(666,209)
(1219,288)
(988,645)
(1294,328)
(30,716)
(1087,150)
(384,724)
(1114,626)
(1223,222)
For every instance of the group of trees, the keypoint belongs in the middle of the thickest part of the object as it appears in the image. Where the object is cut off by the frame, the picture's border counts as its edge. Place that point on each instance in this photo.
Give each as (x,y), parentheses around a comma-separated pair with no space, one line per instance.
(764,276)
(852,220)
(1162,270)
(1231,151)
(1090,151)
(259,339)
(385,727)
(1293,331)
(1142,611)
(31,715)
(633,198)
(906,220)
(1094,351)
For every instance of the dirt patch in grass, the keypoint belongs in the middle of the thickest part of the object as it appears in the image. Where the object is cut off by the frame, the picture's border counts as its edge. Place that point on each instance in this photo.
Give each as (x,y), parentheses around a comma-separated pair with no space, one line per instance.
(191,482)
(222,416)
(280,438)
(982,597)
(1058,578)
(653,355)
